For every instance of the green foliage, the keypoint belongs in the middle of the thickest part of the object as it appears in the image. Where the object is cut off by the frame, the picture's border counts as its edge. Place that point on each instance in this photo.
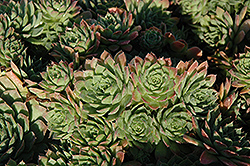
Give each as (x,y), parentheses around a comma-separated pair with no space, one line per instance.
(222,142)
(22,124)
(24,18)
(105,87)
(240,72)
(154,81)
(222,25)
(148,13)
(137,126)
(77,44)
(56,15)
(64,112)
(95,143)
(100,6)
(173,123)
(194,88)
(12,49)
(152,39)
(65,100)
(57,77)
(116,30)
(57,155)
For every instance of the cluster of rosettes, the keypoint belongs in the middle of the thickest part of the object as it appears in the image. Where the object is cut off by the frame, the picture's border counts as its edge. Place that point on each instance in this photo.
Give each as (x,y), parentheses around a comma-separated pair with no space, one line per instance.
(145,101)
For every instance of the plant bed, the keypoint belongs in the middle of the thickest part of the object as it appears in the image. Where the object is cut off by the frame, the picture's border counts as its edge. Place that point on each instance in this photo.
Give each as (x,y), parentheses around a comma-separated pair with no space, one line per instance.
(127,82)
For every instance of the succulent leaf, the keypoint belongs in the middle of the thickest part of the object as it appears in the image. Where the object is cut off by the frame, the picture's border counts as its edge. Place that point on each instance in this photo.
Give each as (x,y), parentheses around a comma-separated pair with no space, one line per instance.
(23,127)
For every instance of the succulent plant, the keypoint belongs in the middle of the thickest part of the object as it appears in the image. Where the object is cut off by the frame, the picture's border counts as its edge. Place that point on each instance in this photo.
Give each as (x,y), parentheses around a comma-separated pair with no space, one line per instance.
(195,88)
(173,123)
(94,143)
(148,13)
(198,11)
(56,15)
(152,39)
(201,100)
(64,112)
(100,6)
(162,42)
(213,22)
(12,49)
(240,72)
(77,44)
(32,65)
(136,126)
(153,80)
(221,140)
(57,77)
(57,12)
(24,18)
(23,127)
(104,86)
(57,155)
(116,30)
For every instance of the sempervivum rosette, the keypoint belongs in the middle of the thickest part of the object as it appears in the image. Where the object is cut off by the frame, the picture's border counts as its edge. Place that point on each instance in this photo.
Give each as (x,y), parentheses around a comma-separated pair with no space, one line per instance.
(77,43)
(195,88)
(154,81)
(56,15)
(94,142)
(59,155)
(148,13)
(24,18)
(116,30)
(64,112)
(100,6)
(104,85)
(152,39)
(57,77)
(136,126)
(12,49)
(221,140)
(173,123)
(57,12)
(22,125)
(201,100)
(241,72)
